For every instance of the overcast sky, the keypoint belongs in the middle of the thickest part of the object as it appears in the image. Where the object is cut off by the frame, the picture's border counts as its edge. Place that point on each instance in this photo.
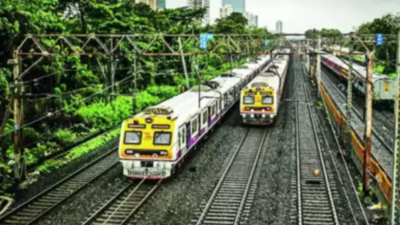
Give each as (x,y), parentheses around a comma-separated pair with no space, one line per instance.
(300,15)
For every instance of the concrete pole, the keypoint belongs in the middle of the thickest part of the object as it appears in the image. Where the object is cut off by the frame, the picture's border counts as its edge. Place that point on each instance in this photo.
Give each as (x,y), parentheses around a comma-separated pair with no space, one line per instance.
(368,121)
(18,114)
(319,66)
(394,203)
(349,97)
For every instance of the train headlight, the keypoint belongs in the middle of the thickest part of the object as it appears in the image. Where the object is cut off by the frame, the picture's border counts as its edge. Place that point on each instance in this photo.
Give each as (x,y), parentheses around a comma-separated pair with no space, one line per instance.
(252,110)
(263,115)
(163,153)
(263,110)
(129,152)
(137,155)
(252,115)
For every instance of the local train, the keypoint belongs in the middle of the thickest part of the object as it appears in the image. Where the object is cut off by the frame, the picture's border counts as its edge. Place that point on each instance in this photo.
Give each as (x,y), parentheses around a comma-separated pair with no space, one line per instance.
(344,52)
(383,86)
(259,100)
(155,141)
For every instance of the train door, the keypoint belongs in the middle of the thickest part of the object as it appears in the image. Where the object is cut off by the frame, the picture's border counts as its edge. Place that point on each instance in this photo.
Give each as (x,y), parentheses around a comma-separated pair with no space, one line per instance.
(226,99)
(187,135)
(182,137)
(204,120)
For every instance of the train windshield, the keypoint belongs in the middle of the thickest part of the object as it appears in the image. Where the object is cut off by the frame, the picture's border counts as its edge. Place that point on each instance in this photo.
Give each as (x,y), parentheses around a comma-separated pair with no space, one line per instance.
(267,100)
(248,100)
(133,137)
(162,138)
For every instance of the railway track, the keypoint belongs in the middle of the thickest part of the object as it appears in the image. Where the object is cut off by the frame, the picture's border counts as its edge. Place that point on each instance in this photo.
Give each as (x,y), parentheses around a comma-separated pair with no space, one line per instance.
(232,197)
(120,208)
(38,206)
(358,113)
(314,194)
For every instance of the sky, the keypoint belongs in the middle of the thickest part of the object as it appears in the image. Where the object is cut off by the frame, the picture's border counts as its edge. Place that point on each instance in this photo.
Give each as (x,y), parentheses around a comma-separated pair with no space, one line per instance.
(300,15)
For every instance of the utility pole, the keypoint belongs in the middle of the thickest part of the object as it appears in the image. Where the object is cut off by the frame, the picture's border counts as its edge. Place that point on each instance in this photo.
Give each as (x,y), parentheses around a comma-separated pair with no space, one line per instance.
(319,66)
(349,105)
(19,164)
(368,122)
(134,85)
(184,63)
(112,73)
(394,203)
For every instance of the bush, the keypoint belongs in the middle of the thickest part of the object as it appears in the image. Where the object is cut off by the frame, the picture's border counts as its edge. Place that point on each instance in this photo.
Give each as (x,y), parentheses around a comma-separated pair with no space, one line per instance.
(65,137)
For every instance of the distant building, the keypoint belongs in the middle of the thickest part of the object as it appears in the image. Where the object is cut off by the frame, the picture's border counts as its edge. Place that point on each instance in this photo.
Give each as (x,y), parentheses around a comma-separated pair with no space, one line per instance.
(151,3)
(256,20)
(226,11)
(279,27)
(237,5)
(251,19)
(197,4)
(161,4)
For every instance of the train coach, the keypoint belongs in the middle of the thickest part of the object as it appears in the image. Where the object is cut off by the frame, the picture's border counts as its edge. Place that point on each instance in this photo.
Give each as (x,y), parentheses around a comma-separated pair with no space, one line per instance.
(259,101)
(383,86)
(155,141)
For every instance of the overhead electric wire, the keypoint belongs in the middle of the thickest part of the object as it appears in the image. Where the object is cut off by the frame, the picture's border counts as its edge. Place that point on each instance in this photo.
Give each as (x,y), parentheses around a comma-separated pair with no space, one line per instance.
(49,114)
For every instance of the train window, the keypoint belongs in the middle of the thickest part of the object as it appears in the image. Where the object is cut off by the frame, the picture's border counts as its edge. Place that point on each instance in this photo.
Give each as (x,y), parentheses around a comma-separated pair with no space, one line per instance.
(180,138)
(204,117)
(213,110)
(194,126)
(267,100)
(183,136)
(248,100)
(133,137)
(220,103)
(162,138)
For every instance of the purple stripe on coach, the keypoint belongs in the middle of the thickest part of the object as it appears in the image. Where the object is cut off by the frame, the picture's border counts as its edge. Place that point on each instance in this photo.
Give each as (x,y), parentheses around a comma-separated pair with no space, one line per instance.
(178,156)
(193,140)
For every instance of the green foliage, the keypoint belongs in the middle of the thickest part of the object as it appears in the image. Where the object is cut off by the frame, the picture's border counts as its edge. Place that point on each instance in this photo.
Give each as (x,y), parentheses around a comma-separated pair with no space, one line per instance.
(328,33)
(80,150)
(387,24)
(234,23)
(65,137)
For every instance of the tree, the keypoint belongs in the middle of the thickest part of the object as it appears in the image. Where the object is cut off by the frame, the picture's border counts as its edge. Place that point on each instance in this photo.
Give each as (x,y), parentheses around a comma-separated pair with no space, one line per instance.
(387,24)
(234,23)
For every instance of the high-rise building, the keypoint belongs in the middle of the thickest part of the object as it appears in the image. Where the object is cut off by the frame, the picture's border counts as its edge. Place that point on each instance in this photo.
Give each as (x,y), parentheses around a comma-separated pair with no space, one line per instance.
(251,19)
(256,20)
(197,4)
(226,11)
(161,4)
(237,5)
(279,27)
(151,3)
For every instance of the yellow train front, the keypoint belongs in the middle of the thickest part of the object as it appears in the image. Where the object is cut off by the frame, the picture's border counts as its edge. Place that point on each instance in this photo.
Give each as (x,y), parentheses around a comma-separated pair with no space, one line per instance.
(259,102)
(146,148)
(257,105)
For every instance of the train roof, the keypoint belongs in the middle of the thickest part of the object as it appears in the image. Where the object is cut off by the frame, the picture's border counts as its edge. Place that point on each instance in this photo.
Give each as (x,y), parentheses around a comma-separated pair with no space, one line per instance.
(360,69)
(186,105)
(271,75)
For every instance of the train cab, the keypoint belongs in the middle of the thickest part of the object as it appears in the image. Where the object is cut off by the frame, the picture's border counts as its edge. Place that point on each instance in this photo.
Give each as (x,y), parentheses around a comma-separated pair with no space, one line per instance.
(146,144)
(257,104)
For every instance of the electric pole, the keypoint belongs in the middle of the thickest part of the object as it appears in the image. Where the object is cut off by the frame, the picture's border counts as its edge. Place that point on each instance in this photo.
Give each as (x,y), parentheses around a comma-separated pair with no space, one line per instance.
(368,121)
(349,105)
(319,66)
(394,203)
(19,154)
